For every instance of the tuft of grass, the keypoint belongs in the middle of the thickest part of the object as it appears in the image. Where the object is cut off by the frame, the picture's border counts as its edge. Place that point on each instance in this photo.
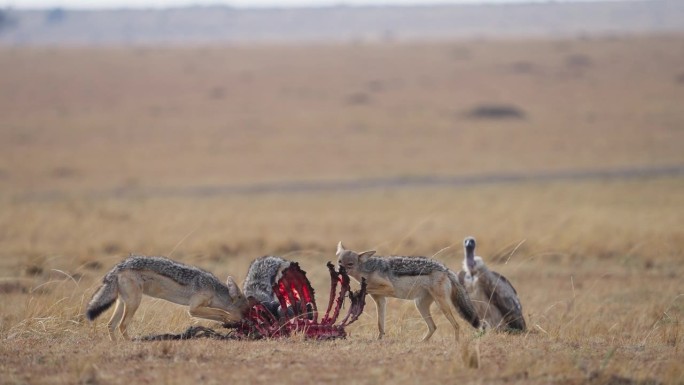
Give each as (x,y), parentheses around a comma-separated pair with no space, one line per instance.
(470,354)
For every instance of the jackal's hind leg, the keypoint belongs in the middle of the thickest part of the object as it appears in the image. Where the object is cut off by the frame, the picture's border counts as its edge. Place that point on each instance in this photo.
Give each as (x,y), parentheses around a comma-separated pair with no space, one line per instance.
(116,319)
(381,305)
(448,310)
(130,293)
(423,306)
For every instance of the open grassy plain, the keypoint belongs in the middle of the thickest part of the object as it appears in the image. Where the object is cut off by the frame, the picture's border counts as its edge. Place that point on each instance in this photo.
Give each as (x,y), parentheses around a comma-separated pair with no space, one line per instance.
(101,149)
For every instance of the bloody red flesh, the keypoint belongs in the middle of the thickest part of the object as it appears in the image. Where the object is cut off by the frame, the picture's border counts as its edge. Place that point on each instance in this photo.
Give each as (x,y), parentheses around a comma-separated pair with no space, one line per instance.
(299,311)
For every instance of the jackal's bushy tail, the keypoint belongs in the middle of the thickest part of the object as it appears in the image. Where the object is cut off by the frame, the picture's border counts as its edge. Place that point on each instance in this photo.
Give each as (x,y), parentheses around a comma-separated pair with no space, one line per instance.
(104,297)
(461,300)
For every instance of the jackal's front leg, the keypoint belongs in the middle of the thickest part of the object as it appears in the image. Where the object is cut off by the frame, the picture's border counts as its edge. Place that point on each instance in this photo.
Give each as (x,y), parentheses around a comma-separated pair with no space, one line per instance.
(380,304)
(199,308)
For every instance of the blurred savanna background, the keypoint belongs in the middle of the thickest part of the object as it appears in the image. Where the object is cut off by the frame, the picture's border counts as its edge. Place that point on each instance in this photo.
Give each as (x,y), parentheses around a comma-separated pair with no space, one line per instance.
(552,132)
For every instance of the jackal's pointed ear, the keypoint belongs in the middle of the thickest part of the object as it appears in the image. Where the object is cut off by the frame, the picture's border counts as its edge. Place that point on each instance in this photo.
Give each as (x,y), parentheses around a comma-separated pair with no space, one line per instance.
(340,249)
(363,257)
(233,288)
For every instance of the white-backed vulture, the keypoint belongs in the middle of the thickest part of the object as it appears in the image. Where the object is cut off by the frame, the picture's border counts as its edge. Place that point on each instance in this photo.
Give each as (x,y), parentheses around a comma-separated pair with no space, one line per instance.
(493,296)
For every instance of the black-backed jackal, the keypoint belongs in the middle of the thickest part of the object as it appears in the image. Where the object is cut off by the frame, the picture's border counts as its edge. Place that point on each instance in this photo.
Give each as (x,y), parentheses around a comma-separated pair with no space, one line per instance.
(421,279)
(160,277)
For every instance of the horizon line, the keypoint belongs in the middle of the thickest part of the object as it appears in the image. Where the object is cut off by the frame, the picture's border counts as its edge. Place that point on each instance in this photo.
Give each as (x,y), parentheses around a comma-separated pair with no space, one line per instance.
(329,5)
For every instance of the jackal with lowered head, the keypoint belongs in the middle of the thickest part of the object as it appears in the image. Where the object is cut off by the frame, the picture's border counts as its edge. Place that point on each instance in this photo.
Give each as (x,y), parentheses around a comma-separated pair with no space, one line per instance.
(421,279)
(262,275)
(163,278)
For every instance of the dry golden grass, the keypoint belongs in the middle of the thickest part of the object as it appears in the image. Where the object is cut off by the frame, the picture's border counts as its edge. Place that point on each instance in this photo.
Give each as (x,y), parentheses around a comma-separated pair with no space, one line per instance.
(598,264)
